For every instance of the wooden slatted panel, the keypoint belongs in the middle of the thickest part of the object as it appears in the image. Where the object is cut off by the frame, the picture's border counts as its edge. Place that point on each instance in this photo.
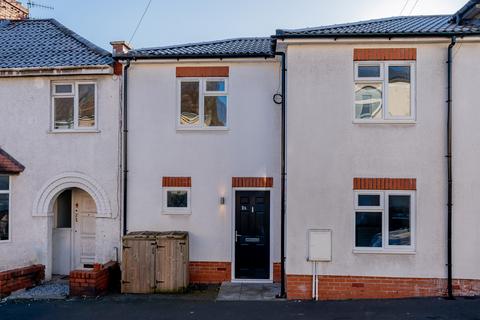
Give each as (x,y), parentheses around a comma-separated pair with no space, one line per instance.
(138,266)
(172,258)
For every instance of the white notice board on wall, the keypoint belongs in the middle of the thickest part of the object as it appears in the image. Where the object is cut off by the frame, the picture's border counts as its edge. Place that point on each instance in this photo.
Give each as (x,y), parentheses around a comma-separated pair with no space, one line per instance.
(319,245)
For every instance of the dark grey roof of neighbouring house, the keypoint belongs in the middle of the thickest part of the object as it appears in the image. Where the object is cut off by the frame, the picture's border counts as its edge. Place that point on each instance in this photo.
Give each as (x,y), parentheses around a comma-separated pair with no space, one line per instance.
(395,26)
(46,44)
(239,47)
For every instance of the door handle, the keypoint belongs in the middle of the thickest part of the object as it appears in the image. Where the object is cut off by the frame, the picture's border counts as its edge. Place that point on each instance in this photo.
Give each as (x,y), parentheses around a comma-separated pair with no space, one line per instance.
(237,235)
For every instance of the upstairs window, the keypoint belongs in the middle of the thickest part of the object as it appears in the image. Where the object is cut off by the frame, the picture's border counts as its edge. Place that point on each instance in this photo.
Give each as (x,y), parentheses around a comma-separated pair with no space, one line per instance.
(4,208)
(203,103)
(384,91)
(74,106)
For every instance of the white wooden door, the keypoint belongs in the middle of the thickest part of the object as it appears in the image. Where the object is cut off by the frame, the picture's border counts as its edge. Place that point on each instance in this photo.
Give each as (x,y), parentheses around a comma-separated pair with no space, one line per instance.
(84,229)
(62,234)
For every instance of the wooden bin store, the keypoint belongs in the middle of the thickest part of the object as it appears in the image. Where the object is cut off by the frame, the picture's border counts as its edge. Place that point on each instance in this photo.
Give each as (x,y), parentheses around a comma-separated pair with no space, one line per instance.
(155,262)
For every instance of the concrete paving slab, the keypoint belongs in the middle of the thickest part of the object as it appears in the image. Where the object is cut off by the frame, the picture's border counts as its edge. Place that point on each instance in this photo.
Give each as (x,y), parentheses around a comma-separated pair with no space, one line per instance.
(248,291)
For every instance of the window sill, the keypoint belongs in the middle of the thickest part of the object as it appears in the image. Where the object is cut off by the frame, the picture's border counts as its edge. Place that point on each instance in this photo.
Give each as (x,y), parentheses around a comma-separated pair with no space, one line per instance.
(6,241)
(411,122)
(384,251)
(175,213)
(203,129)
(73,131)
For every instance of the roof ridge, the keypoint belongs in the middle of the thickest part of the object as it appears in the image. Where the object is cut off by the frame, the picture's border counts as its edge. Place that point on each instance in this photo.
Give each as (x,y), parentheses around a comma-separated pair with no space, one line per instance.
(77,37)
(192,44)
(356,23)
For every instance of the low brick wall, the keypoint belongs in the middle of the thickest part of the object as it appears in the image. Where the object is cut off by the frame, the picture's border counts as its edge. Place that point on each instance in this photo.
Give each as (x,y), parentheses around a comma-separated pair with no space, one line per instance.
(355,287)
(95,282)
(209,272)
(214,272)
(21,278)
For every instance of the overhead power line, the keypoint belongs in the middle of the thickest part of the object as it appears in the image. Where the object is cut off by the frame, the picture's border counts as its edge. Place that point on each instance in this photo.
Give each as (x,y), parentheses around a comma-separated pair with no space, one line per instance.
(404,6)
(140,21)
(413,8)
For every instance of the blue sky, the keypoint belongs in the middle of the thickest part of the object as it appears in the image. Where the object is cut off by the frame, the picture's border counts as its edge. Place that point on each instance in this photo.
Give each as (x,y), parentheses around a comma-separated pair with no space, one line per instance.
(183,21)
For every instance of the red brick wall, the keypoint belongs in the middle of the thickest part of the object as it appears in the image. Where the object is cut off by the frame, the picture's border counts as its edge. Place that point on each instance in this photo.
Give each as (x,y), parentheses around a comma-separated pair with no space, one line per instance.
(384,184)
(94,282)
(299,287)
(202,71)
(252,182)
(21,278)
(356,287)
(12,10)
(210,272)
(374,54)
(277,273)
(185,182)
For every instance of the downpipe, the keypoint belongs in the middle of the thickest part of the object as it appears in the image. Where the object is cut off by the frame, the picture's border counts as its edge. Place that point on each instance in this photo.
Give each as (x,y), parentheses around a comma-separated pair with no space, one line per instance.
(125,144)
(283,178)
(449,169)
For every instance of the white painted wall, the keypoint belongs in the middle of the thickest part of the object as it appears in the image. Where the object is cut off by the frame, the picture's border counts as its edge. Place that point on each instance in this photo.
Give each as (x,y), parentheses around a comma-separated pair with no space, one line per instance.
(326,151)
(466,165)
(250,147)
(25,105)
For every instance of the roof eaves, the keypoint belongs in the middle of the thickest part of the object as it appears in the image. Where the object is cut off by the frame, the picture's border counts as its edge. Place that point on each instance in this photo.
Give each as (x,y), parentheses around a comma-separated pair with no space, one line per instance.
(378,35)
(18,167)
(190,56)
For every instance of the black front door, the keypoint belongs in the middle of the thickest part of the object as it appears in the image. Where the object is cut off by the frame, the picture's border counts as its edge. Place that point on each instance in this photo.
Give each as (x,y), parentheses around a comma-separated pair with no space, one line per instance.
(252,234)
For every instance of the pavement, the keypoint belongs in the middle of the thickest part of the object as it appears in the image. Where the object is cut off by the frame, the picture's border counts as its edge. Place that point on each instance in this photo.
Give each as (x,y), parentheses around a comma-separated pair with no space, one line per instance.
(230,291)
(203,305)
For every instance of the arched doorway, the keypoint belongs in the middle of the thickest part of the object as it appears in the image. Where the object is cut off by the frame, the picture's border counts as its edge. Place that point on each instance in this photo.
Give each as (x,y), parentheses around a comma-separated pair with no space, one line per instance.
(73,234)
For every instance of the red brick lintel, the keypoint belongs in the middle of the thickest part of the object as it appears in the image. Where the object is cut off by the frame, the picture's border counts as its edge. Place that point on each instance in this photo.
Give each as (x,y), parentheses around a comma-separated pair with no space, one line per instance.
(381,54)
(384,184)
(252,182)
(185,182)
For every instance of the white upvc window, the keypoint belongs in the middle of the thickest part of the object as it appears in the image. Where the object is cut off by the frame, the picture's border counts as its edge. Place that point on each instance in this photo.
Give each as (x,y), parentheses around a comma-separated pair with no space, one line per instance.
(202,103)
(74,106)
(176,200)
(384,221)
(5,218)
(384,92)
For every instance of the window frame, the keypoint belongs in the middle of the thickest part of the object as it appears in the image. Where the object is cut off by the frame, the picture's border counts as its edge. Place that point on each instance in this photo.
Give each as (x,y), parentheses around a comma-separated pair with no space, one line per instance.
(74,94)
(202,93)
(176,210)
(383,79)
(9,193)
(383,209)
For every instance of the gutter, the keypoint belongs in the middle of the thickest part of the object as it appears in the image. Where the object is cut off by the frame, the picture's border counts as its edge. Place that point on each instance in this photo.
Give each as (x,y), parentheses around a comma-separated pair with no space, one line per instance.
(283,179)
(125,144)
(282,36)
(449,168)
(173,57)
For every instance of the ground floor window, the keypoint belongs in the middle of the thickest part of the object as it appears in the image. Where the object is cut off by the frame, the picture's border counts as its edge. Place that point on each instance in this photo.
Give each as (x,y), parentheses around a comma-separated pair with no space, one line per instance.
(384,220)
(4,208)
(176,200)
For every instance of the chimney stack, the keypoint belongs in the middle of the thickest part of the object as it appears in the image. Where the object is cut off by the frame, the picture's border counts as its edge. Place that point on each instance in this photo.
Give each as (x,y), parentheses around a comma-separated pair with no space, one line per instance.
(120,47)
(12,10)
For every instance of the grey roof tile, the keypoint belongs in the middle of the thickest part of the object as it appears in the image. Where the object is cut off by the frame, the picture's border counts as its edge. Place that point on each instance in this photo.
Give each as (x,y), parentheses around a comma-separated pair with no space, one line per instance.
(403,25)
(46,43)
(239,47)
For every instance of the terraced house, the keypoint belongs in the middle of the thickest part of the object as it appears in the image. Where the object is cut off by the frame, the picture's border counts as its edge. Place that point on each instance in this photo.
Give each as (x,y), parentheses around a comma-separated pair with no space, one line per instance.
(59,152)
(338,160)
